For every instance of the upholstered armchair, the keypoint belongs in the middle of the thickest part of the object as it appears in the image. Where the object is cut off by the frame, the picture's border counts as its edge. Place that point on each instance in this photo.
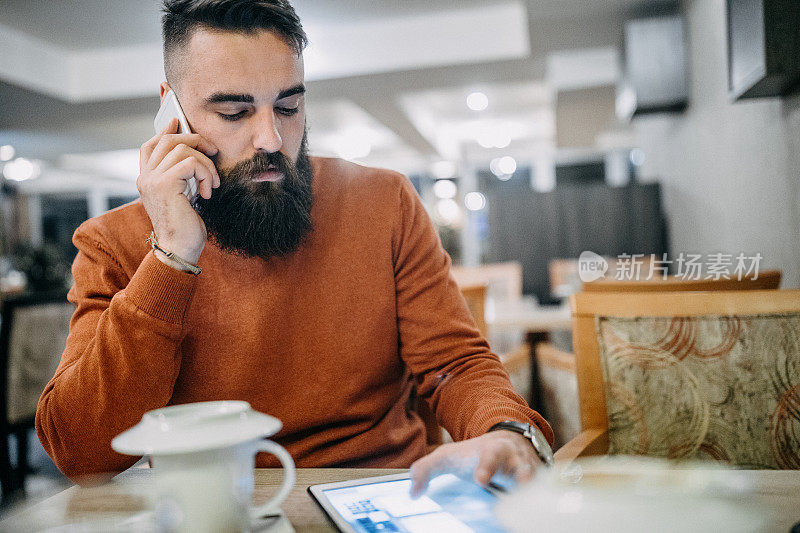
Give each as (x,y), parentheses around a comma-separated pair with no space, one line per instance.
(556,367)
(689,375)
(33,335)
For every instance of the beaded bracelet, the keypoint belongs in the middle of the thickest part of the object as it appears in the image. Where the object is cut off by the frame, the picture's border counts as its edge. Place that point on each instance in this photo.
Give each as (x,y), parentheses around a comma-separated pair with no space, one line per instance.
(183,262)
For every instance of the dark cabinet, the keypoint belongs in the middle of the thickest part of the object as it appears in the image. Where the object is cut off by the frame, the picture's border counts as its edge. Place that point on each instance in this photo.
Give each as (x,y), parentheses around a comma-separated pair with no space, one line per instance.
(655,66)
(763,47)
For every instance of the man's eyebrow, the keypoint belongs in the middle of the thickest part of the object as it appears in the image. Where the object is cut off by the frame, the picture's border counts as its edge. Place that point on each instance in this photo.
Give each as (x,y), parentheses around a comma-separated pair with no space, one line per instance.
(297,89)
(217,98)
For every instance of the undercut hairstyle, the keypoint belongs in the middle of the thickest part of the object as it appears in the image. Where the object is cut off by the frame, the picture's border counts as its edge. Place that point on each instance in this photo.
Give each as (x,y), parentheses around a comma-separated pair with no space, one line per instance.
(182,17)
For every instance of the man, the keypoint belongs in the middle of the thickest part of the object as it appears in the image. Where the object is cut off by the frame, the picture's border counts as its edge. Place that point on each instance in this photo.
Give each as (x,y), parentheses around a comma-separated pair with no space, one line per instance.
(324,294)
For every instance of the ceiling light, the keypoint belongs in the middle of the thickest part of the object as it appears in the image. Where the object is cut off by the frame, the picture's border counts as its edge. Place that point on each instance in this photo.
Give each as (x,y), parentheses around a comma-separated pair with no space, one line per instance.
(7,152)
(443,169)
(445,189)
(474,201)
(477,101)
(494,166)
(503,167)
(486,139)
(20,169)
(637,157)
(507,165)
(447,211)
(502,139)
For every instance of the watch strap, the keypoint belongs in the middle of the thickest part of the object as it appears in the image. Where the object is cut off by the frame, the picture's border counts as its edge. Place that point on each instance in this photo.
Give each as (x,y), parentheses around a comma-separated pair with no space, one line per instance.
(534,434)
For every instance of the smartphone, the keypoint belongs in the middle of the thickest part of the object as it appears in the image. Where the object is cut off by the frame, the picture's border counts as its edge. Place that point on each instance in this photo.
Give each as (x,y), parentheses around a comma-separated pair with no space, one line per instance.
(170,108)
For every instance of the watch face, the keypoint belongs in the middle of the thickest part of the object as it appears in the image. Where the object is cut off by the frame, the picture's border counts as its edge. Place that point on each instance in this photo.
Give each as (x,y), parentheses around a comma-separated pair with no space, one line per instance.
(542,446)
(538,438)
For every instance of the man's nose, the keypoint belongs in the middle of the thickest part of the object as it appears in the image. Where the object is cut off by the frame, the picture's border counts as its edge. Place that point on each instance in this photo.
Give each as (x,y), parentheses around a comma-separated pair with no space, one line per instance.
(266,136)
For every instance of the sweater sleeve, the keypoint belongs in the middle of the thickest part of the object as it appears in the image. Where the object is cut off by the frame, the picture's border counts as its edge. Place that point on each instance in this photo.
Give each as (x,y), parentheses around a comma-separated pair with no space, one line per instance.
(463,382)
(121,359)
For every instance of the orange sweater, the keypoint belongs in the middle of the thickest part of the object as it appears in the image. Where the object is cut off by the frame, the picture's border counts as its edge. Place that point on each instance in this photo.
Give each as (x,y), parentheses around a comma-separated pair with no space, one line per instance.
(328,339)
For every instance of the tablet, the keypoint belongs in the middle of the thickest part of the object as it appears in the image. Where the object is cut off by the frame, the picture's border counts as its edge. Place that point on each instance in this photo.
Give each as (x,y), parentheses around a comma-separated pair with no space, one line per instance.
(382,504)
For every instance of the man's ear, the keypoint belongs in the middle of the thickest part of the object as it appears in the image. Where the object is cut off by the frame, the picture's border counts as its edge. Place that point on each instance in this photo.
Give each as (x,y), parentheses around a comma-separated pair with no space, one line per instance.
(165,88)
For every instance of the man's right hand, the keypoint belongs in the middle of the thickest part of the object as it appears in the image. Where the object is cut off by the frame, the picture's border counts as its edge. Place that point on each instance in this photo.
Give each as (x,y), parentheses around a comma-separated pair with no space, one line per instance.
(166,163)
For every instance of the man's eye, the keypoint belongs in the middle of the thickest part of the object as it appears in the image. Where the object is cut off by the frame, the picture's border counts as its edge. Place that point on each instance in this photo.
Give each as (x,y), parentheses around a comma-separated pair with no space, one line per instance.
(288,111)
(235,116)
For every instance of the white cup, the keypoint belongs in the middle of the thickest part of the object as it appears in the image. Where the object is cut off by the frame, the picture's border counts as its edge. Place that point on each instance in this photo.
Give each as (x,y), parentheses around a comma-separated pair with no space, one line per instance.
(212,490)
(203,458)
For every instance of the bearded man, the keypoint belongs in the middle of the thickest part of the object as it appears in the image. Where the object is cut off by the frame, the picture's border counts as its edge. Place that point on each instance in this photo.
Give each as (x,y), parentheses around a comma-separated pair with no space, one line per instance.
(313,288)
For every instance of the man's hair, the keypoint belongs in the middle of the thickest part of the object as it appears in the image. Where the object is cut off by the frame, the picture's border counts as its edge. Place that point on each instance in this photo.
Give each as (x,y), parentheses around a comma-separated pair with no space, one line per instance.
(182,17)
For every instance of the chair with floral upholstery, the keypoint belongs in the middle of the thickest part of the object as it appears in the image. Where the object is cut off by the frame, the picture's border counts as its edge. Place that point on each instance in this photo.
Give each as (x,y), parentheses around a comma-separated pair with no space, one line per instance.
(556,366)
(689,375)
(32,337)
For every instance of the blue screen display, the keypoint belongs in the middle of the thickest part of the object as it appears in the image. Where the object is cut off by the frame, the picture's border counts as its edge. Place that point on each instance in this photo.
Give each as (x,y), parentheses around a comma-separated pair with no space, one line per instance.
(450,505)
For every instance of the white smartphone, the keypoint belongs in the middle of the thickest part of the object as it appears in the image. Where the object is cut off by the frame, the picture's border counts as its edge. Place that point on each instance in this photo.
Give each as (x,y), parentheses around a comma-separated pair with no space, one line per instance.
(170,108)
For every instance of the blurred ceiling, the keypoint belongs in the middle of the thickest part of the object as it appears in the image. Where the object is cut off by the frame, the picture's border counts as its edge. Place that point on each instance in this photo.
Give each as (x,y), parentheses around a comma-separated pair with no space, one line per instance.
(409,108)
(86,24)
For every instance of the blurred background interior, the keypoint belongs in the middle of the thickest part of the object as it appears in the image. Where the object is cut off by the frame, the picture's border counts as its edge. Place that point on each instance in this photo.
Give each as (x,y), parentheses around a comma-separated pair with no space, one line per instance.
(532,129)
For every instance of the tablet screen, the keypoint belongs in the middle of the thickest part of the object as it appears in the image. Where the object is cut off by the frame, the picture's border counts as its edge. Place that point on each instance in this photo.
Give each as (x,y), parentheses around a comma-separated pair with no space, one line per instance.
(449,505)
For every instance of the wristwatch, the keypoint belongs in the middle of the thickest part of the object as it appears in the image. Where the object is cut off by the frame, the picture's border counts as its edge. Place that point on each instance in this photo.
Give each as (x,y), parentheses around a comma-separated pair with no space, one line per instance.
(529,431)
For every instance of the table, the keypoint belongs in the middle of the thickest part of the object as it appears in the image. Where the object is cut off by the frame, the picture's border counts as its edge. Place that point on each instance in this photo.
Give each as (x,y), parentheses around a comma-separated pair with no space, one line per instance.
(778,491)
(78,503)
(533,319)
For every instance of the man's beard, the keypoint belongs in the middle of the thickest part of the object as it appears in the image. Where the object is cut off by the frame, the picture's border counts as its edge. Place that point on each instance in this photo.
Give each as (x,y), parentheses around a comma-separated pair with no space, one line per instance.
(261,219)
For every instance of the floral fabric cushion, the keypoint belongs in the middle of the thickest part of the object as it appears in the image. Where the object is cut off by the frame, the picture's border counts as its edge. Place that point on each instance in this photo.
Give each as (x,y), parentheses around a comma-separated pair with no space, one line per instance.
(712,387)
(38,337)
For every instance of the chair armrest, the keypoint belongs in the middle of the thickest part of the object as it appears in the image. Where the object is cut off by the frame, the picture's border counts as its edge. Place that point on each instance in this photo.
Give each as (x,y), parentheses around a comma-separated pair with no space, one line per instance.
(517,359)
(550,356)
(588,442)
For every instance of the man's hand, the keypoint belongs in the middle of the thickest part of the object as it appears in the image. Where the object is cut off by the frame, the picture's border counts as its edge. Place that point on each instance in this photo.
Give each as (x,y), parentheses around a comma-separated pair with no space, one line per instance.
(501,451)
(166,163)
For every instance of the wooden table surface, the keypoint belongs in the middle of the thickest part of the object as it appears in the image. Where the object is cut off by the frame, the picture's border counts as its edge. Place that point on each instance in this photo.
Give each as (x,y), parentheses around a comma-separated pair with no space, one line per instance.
(126,496)
(535,320)
(777,491)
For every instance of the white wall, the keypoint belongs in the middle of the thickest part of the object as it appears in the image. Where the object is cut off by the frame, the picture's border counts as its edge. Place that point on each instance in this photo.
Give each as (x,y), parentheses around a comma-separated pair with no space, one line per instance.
(730,171)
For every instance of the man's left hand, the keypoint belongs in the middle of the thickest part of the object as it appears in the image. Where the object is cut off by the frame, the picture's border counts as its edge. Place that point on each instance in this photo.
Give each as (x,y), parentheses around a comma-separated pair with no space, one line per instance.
(501,451)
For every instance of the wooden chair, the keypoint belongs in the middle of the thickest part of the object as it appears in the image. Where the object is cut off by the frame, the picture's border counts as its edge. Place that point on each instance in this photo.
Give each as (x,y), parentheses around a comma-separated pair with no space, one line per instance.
(556,375)
(689,375)
(558,390)
(765,280)
(563,277)
(475,295)
(33,335)
(565,281)
(503,281)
